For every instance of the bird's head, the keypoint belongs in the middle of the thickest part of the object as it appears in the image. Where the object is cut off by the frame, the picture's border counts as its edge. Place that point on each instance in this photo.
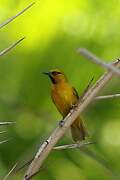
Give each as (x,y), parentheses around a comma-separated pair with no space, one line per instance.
(56,76)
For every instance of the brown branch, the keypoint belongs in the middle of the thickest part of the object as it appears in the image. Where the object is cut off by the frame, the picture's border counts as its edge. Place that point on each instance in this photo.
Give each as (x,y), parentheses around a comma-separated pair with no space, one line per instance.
(97,60)
(48,145)
(18,14)
(111,96)
(73,146)
(11,47)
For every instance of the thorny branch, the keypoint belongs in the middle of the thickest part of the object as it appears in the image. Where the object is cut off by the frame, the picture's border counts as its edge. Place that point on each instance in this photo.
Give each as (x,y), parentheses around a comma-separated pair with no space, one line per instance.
(48,145)
(18,14)
(1,54)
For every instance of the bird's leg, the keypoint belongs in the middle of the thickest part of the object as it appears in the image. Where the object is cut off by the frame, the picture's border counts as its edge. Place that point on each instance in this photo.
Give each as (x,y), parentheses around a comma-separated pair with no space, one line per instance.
(61,123)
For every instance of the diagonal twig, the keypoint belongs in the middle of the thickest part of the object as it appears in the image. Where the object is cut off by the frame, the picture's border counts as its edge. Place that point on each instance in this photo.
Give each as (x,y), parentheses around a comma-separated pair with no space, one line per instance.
(111,96)
(10,172)
(73,146)
(97,60)
(18,14)
(48,145)
(11,47)
(99,159)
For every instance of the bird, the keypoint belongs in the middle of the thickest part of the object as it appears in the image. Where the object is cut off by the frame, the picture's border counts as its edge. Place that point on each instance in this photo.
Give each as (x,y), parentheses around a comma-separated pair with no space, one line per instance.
(65,97)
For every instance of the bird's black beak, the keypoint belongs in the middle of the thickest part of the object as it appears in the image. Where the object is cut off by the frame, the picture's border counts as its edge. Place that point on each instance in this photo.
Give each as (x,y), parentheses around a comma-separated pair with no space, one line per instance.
(50,76)
(47,73)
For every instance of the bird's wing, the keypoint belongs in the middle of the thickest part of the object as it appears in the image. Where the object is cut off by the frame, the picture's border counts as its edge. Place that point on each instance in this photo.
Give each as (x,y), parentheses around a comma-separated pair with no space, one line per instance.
(75,93)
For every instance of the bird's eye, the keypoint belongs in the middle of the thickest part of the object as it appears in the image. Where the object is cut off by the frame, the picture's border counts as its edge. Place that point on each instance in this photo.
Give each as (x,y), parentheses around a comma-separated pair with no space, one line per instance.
(54,73)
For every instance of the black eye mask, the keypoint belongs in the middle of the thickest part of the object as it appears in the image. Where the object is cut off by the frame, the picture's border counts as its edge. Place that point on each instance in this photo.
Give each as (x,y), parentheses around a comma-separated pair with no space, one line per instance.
(54,73)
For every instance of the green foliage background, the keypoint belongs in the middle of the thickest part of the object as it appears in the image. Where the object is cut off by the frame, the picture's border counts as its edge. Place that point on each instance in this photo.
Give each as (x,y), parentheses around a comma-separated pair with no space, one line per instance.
(53,30)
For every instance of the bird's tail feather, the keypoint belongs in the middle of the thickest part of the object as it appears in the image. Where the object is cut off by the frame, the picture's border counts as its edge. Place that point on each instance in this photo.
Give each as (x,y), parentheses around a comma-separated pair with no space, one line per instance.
(78,130)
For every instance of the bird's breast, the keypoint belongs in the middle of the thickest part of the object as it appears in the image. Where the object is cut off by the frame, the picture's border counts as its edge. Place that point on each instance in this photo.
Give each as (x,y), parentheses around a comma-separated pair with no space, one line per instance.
(63,97)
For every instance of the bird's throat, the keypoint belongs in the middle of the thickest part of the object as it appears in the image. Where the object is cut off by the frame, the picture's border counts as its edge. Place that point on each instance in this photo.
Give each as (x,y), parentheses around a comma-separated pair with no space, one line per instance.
(52,79)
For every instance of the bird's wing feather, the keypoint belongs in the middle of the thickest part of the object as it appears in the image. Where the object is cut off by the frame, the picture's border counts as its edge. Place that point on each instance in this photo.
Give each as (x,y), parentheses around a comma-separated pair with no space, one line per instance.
(75,93)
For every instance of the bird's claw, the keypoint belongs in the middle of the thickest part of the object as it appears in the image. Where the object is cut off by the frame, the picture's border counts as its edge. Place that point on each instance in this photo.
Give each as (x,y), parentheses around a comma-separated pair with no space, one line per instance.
(73,106)
(61,123)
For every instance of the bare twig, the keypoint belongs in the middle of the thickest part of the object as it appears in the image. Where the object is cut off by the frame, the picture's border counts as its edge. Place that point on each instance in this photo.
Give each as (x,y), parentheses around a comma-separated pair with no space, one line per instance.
(99,159)
(48,145)
(18,14)
(6,123)
(73,146)
(10,172)
(11,47)
(111,96)
(97,60)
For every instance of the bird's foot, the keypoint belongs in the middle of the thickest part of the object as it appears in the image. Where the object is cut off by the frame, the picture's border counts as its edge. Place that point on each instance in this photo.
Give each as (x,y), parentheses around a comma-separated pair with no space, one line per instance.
(61,123)
(73,106)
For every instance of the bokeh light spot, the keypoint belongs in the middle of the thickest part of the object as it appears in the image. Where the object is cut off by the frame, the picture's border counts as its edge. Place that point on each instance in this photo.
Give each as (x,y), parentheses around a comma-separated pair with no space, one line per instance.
(75,23)
(111,133)
(28,126)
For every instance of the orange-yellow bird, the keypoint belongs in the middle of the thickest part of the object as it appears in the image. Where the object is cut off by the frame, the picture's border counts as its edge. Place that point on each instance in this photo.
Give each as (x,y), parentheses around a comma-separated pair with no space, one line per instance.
(65,97)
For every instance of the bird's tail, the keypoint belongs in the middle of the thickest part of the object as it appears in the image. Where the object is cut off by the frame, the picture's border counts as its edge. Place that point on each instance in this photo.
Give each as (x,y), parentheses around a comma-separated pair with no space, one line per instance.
(78,130)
